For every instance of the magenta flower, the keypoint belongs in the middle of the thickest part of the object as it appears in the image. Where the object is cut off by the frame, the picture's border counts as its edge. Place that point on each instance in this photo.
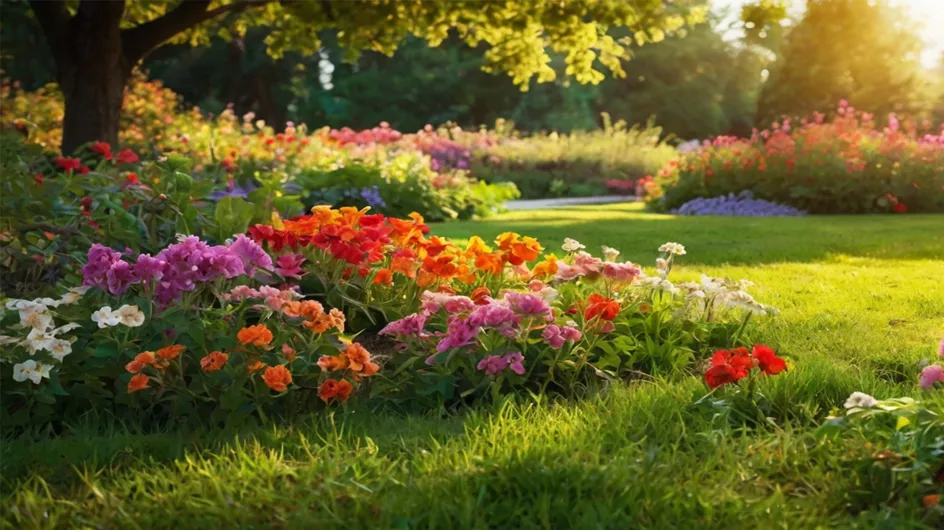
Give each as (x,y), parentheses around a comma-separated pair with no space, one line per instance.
(253,255)
(930,375)
(552,336)
(408,326)
(289,266)
(493,364)
(459,333)
(100,260)
(514,362)
(148,268)
(526,303)
(119,277)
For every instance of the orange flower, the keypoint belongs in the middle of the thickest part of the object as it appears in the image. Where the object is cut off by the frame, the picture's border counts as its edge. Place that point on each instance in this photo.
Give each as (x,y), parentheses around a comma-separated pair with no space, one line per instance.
(547,267)
(338,318)
(339,389)
(404,265)
(329,363)
(138,382)
(258,335)
(359,359)
(255,366)
(277,378)
(383,276)
(214,361)
(170,352)
(480,295)
(517,249)
(320,323)
(141,361)
(930,500)
(307,309)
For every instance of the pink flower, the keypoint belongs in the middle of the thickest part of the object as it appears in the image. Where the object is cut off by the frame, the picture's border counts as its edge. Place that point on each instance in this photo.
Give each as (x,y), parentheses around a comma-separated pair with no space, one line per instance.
(566,272)
(493,364)
(408,326)
(930,375)
(458,334)
(526,303)
(571,333)
(552,336)
(433,302)
(289,266)
(621,272)
(587,262)
(536,285)
(514,362)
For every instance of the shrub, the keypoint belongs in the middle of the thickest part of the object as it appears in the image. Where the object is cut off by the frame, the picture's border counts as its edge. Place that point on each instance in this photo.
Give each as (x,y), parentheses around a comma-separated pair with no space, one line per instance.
(846,165)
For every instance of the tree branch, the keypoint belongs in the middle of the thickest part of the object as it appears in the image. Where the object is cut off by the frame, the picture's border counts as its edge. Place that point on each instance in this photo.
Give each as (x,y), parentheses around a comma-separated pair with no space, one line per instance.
(141,39)
(53,18)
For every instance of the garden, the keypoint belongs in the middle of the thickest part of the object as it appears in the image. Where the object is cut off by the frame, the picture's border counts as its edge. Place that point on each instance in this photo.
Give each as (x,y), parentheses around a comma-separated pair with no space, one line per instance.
(225,318)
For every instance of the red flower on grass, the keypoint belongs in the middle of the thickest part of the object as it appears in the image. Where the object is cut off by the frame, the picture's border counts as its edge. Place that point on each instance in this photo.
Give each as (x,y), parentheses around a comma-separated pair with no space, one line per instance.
(731,366)
(900,207)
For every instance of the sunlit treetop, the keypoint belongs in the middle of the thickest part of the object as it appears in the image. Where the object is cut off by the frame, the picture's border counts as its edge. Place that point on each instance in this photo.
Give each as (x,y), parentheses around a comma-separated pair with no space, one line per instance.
(518,36)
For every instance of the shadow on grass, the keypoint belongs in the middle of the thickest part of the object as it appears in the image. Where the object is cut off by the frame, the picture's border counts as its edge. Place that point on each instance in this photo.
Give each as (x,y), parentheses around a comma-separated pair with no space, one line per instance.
(721,240)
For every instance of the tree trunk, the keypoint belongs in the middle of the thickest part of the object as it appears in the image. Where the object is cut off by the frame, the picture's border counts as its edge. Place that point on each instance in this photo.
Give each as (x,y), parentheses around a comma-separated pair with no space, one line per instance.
(92,72)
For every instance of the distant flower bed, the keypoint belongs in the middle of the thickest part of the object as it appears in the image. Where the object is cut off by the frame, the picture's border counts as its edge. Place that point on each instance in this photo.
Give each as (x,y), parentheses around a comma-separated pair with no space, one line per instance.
(741,205)
(846,165)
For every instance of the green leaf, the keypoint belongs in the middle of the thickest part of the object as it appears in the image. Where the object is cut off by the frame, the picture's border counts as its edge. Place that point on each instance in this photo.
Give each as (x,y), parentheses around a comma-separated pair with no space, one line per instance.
(232,216)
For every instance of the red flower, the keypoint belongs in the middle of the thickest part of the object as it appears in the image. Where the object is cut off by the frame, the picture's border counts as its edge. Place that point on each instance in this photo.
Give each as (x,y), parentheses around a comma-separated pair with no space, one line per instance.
(103,149)
(721,374)
(767,360)
(38,178)
(126,156)
(599,305)
(728,367)
(900,208)
(68,163)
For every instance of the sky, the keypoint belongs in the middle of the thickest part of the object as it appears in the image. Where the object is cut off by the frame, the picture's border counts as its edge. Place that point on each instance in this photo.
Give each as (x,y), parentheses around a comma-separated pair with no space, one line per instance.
(930,12)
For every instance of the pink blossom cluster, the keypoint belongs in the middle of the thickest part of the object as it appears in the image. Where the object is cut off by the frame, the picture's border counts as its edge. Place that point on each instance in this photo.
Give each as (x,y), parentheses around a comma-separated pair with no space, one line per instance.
(591,267)
(496,364)
(274,298)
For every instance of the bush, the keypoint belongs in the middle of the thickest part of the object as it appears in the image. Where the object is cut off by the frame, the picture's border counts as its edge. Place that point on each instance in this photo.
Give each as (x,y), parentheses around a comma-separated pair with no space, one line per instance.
(846,165)
(577,164)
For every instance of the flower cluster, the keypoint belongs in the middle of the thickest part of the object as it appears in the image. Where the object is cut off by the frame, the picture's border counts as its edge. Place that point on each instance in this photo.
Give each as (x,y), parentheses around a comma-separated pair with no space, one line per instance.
(39,332)
(741,205)
(734,365)
(178,268)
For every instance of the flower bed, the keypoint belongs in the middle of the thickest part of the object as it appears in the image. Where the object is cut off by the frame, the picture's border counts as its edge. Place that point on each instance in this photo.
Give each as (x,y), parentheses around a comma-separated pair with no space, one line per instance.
(846,165)
(240,330)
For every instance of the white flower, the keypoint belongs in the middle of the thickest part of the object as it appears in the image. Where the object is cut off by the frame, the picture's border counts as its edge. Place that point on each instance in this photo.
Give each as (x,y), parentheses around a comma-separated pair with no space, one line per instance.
(860,400)
(39,340)
(60,348)
(5,339)
(31,370)
(74,295)
(744,301)
(609,253)
(130,315)
(65,329)
(672,248)
(659,284)
(19,304)
(36,317)
(571,245)
(105,317)
(47,302)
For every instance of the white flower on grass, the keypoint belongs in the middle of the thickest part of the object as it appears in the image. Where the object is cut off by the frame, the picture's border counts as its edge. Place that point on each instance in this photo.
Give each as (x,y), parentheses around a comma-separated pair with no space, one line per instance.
(39,339)
(31,370)
(571,245)
(860,400)
(74,295)
(672,248)
(609,253)
(105,317)
(60,348)
(36,317)
(742,300)
(130,315)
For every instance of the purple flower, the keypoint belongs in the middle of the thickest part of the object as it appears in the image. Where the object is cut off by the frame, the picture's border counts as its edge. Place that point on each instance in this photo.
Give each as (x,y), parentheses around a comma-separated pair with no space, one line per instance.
(526,303)
(289,265)
(494,316)
(459,333)
(514,362)
(148,268)
(100,260)
(930,375)
(119,277)
(251,253)
(493,364)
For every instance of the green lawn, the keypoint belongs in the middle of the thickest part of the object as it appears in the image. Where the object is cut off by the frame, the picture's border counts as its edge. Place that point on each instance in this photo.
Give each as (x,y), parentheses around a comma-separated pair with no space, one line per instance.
(862,301)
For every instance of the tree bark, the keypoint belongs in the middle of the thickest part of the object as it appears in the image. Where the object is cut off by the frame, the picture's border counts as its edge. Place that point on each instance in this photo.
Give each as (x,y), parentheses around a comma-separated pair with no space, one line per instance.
(93,76)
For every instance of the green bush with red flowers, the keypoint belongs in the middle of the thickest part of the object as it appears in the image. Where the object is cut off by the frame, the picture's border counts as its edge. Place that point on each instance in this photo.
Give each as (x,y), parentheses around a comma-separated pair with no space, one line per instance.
(846,165)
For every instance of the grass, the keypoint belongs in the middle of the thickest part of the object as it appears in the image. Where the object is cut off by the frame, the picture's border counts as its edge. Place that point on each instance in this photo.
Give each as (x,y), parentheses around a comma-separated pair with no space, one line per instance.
(862,302)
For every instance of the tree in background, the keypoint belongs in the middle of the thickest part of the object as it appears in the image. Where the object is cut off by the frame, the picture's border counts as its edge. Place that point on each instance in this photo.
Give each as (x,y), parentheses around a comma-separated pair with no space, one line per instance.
(865,51)
(96,44)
